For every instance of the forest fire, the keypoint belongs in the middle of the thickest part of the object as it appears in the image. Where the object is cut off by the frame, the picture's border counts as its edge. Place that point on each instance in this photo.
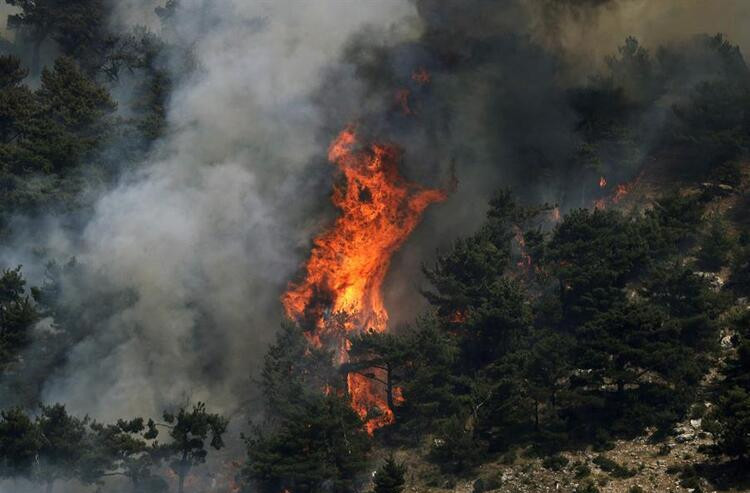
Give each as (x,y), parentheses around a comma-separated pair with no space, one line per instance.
(348,263)
(622,190)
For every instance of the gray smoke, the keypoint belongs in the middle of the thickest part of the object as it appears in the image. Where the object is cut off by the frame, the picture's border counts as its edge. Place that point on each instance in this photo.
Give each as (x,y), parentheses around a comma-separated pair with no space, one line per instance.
(205,236)
(181,265)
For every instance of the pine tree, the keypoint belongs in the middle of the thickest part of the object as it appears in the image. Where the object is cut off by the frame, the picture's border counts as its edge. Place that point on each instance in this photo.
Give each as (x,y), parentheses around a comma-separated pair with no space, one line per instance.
(17,316)
(319,442)
(189,431)
(20,443)
(63,444)
(390,477)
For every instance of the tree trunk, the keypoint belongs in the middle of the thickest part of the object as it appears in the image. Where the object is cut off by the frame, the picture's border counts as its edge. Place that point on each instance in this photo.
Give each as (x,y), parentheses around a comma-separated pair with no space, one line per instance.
(50,485)
(536,415)
(389,388)
(184,468)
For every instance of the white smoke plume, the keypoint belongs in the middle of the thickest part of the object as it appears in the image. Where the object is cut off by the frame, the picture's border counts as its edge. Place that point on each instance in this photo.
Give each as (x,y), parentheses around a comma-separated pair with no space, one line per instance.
(205,236)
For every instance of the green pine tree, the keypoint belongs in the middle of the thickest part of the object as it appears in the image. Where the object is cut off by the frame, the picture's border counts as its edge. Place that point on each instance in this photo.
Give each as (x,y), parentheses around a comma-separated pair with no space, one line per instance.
(390,478)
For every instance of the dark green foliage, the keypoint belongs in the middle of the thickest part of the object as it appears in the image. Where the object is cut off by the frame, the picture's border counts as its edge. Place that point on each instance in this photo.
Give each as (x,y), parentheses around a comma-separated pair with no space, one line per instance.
(486,484)
(730,419)
(715,245)
(555,462)
(382,352)
(310,441)
(432,386)
(608,335)
(318,443)
(63,444)
(739,280)
(594,254)
(733,414)
(455,448)
(582,471)
(46,135)
(608,465)
(189,431)
(128,448)
(53,445)
(292,369)
(714,122)
(78,27)
(390,477)
(587,487)
(75,109)
(17,316)
(20,443)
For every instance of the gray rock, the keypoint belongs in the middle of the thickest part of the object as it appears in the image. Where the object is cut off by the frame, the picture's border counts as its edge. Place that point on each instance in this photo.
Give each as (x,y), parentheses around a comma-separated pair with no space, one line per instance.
(685,437)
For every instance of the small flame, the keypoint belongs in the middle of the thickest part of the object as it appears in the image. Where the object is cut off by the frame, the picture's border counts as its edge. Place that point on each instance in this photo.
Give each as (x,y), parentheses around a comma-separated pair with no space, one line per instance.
(525,260)
(602,182)
(621,191)
(421,76)
(398,396)
(402,98)
(458,317)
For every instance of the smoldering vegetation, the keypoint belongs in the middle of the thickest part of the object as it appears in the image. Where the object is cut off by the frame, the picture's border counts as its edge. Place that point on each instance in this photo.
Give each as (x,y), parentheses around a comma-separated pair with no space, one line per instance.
(160,254)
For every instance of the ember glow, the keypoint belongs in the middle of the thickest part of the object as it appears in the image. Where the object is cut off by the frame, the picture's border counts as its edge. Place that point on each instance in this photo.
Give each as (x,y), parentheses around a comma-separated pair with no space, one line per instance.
(602,182)
(622,190)
(525,260)
(402,98)
(421,76)
(348,263)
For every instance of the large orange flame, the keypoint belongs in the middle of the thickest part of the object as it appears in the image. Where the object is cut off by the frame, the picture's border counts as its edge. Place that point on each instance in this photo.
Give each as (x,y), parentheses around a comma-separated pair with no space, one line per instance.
(348,262)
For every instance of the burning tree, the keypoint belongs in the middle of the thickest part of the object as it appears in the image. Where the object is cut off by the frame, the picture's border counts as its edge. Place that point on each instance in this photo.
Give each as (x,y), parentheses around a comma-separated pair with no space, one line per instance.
(309,438)
(349,262)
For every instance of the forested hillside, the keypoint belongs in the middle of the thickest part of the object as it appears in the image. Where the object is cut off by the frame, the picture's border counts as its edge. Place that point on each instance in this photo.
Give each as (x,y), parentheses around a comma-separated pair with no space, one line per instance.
(582,272)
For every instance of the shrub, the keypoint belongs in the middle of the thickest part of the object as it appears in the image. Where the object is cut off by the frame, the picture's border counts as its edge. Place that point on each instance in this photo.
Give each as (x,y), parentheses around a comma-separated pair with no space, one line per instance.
(555,462)
(608,465)
(582,470)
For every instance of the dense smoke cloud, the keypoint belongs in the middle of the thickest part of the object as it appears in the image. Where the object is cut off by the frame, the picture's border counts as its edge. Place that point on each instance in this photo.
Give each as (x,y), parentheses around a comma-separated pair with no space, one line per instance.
(203,238)
(181,266)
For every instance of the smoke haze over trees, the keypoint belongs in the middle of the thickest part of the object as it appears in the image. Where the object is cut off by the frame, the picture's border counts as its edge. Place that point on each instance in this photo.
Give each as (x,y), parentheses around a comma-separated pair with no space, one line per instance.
(163,173)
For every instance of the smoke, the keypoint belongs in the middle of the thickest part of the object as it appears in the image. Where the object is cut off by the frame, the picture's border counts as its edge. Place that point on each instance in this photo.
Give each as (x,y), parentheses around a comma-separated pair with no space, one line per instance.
(180,267)
(497,111)
(128,13)
(5,11)
(585,31)
(204,237)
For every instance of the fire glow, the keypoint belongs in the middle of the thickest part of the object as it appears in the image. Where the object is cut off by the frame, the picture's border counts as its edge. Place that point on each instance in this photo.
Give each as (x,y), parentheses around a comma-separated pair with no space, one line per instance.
(349,261)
